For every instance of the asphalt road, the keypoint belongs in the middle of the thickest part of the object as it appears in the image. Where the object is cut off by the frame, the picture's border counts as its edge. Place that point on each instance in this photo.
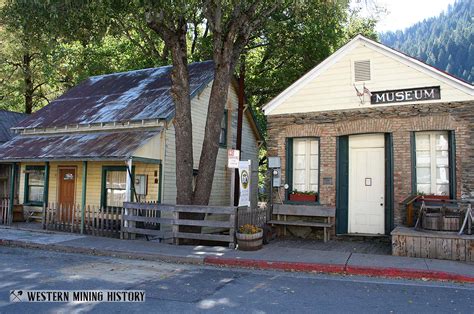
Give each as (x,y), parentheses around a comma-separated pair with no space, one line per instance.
(172,288)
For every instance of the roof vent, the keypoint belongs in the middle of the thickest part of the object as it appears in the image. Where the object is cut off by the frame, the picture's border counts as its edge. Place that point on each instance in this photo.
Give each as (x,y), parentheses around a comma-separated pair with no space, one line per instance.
(362,70)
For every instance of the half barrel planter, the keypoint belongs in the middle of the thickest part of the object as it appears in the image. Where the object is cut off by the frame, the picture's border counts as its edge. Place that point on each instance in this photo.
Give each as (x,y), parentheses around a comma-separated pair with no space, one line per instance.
(250,242)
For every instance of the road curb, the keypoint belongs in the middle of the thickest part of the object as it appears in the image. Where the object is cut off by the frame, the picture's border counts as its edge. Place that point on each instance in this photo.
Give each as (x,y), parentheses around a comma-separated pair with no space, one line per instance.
(386,272)
(105,252)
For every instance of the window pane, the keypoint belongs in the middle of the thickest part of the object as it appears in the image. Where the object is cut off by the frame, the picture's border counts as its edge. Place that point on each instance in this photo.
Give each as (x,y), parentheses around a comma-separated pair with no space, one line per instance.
(36,177)
(299,187)
(313,177)
(423,188)
(299,147)
(423,159)
(442,141)
(299,162)
(299,177)
(314,164)
(222,137)
(314,147)
(423,175)
(422,141)
(442,189)
(442,158)
(442,175)
(116,179)
(115,197)
(35,193)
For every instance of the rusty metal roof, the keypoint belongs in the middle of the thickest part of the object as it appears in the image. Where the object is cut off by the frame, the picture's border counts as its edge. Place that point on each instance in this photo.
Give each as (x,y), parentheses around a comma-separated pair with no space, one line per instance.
(7,120)
(75,146)
(118,97)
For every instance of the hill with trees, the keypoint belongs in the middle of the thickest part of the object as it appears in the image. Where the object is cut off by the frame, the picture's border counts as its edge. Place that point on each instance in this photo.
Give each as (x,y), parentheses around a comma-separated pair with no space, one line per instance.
(445,41)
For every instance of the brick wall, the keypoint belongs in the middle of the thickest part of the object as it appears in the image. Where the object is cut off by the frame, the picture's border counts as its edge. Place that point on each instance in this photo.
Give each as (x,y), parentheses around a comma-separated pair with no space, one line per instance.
(398,120)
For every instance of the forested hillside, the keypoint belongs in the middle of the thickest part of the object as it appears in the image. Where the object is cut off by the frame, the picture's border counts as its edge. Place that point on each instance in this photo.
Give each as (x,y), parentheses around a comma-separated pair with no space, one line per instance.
(446,41)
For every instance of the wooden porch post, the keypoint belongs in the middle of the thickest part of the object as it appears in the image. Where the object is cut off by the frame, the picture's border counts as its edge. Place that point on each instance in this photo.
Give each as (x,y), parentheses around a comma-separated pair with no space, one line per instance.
(83,199)
(45,192)
(12,193)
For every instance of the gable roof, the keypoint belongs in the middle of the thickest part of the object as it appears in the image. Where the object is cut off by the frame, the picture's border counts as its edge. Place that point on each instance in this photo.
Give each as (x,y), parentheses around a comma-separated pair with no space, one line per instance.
(7,120)
(119,97)
(385,50)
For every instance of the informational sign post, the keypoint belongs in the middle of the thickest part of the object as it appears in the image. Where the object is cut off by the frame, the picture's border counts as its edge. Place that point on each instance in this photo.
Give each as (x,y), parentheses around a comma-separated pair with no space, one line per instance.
(233,158)
(244,179)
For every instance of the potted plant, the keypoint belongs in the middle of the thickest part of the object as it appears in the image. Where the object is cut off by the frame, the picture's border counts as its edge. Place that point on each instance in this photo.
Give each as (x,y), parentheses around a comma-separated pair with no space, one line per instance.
(305,196)
(249,237)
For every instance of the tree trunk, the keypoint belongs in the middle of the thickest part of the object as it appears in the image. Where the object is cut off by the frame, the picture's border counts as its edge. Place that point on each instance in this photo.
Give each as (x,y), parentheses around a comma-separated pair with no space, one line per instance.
(224,67)
(28,80)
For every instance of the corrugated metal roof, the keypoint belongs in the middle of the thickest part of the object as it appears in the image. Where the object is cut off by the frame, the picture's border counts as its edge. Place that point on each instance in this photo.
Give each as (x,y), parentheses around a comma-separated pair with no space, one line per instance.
(127,96)
(7,120)
(75,146)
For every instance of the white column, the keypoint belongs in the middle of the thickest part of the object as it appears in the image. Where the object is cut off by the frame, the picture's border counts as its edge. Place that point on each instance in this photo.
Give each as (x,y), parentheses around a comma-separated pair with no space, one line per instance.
(128,184)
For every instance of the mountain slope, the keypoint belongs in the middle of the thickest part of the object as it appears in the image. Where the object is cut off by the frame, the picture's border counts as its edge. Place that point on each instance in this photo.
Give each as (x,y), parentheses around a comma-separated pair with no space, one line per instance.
(445,41)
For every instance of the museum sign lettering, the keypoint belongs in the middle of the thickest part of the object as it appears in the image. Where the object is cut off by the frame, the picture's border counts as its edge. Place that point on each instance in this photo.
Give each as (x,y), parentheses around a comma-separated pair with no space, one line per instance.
(404,95)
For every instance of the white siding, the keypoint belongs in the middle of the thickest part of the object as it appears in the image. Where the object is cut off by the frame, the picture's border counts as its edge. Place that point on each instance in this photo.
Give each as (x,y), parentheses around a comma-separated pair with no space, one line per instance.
(334,88)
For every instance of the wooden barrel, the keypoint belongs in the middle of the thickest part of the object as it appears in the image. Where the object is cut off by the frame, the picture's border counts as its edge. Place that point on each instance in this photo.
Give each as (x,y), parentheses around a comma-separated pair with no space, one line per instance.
(431,221)
(249,242)
(451,222)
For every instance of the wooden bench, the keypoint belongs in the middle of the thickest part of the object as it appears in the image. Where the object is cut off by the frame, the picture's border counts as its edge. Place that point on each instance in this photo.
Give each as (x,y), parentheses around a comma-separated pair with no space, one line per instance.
(302,211)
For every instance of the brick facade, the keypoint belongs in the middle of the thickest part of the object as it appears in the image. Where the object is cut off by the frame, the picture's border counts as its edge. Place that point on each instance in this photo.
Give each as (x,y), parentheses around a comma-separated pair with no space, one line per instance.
(398,120)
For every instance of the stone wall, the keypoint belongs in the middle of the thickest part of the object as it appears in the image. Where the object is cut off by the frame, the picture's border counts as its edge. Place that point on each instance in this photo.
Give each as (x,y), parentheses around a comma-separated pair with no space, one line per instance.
(398,120)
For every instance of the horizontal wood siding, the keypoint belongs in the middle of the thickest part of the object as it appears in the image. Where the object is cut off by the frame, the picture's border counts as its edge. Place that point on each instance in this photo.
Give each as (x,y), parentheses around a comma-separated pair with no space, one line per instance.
(334,90)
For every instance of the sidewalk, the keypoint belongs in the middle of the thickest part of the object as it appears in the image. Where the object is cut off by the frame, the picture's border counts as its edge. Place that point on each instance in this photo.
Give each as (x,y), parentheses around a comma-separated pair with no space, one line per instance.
(270,256)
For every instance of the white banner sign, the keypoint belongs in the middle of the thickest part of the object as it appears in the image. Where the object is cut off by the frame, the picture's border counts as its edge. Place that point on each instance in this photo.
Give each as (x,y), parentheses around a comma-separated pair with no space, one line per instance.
(245,171)
(233,158)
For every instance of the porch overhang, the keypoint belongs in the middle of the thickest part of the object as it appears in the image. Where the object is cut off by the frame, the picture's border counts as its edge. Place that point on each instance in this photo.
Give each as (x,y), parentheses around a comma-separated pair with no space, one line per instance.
(97,146)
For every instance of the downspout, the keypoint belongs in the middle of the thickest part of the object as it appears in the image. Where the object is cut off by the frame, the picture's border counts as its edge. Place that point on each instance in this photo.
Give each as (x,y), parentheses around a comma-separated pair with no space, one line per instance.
(45,192)
(240,114)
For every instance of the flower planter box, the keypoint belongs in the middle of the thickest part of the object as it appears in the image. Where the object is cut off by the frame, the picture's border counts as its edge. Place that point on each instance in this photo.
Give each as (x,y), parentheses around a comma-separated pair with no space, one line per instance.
(297,197)
(434,197)
(250,242)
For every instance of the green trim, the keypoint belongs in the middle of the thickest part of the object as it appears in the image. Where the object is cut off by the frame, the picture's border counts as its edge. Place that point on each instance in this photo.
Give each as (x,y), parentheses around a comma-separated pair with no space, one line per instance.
(103,199)
(413,163)
(84,194)
(26,196)
(452,165)
(342,184)
(388,183)
(14,169)
(160,181)
(289,166)
(147,160)
(226,118)
(46,183)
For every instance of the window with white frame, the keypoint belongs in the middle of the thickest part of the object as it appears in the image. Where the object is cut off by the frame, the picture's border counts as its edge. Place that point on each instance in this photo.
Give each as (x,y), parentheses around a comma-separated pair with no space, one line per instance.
(305,164)
(432,162)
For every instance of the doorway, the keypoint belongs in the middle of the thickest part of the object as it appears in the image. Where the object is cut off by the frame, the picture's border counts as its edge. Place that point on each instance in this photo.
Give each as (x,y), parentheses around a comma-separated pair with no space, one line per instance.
(66,190)
(366,204)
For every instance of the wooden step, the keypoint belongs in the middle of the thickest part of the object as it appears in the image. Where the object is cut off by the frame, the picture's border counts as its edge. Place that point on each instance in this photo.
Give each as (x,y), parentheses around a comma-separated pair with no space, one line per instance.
(301,223)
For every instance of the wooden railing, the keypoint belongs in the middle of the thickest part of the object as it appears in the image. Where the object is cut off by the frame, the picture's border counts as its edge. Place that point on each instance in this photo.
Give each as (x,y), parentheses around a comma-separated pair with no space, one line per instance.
(165,222)
(4,212)
(98,221)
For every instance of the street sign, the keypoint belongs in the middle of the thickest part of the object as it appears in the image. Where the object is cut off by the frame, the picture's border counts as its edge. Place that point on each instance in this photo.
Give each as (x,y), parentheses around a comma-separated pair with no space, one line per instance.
(233,158)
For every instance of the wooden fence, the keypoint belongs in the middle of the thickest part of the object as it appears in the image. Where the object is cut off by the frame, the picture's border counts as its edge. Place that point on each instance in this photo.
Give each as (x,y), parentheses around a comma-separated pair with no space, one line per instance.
(4,212)
(164,222)
(98,221)
(255,216)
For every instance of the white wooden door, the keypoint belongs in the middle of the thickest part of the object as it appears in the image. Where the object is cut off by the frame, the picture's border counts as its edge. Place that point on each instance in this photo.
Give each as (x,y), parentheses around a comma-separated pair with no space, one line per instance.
(366,184)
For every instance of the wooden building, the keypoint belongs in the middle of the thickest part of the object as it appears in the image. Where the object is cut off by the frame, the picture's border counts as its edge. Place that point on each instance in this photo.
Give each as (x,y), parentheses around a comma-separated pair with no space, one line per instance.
(368,127)
(111,139)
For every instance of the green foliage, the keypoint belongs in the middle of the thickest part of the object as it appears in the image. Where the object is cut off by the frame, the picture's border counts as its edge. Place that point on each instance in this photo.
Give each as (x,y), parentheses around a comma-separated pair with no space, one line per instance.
(446,41)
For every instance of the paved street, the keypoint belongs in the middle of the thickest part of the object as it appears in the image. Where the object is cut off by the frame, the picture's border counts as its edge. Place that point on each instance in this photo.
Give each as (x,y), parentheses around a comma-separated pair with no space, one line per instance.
(186,288)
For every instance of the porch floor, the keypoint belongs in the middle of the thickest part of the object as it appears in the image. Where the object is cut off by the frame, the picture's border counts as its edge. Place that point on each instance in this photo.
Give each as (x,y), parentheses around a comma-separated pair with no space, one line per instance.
(365,245)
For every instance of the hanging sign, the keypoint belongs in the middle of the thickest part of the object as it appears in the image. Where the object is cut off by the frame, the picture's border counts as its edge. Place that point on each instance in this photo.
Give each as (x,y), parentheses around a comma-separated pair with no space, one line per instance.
(244,182)
(233,158)
(404,95)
